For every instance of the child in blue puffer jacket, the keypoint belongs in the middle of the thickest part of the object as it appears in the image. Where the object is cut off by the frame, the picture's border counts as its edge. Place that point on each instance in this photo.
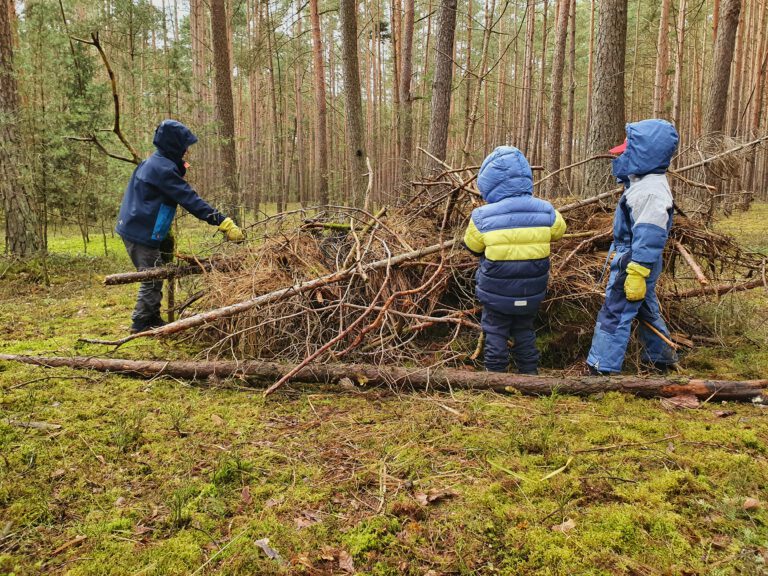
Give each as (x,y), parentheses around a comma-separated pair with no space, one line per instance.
(512,235)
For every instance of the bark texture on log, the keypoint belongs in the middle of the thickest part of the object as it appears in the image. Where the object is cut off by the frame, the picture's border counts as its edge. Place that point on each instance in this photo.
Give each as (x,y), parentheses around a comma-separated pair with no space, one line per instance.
(419,378)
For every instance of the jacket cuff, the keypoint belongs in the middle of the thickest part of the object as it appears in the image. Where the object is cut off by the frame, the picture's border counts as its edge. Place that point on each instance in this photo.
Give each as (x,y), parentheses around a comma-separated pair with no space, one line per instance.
(472,251)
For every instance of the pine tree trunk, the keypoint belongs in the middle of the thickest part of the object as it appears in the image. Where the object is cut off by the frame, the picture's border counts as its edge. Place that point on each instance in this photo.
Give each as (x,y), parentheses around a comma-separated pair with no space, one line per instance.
(441,87)
(352,99)
(22,234)
(723,56)
(225,115)
(406,99)
(662,62)
(679,55)
(321,119)
(525,127)
(555,132)
(570,122)
(607,127)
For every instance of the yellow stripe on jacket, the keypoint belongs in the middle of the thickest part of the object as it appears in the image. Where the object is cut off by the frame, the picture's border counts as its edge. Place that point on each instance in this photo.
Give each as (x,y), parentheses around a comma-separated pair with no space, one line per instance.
(515,243)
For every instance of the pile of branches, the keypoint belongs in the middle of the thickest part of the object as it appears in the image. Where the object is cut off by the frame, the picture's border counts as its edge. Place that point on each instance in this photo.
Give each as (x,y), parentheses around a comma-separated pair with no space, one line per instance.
(396,287)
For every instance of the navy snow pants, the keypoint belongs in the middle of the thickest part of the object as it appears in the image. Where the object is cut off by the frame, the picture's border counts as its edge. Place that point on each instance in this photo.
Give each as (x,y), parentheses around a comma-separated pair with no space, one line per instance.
(498,328)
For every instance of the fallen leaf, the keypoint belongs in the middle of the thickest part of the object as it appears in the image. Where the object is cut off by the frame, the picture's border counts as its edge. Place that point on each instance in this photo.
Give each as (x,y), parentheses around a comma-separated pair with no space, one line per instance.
(680,402)
(566,526)
(720,541)
(724,413)
(751,504)
(307,518)
(245,495)
(272,502)
(101,459)
(58,473)
(346,563)
(217,420)
(268,550)
(141,529)
(434,495)
(120,502)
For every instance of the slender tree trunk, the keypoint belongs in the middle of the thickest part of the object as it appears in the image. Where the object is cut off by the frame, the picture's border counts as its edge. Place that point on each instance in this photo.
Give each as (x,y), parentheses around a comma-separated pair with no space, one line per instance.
(321,126)
(570,122)
(22,234)
(679,56)
(225,115)
(607,128)
(718,88)
(662,62)
(555,132)
(478,86)
(525,127)
(352,99)
(590,66)
(441,87)
(406,98)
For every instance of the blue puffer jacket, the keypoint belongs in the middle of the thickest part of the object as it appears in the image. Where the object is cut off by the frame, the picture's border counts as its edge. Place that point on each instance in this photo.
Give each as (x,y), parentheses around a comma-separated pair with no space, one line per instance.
(157,186)
(512,234)
(643,216)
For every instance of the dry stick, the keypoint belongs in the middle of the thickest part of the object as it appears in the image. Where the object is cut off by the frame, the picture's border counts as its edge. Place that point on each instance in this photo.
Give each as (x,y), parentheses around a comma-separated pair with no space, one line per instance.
(581,245)
(135,159)
(580,162)
(420,377)
(719,290)
(691,263)
(706,161)
(660,334)
(339,336)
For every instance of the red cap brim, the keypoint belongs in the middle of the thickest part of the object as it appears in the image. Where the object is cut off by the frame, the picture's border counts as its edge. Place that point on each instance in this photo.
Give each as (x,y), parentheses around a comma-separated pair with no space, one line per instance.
(616,150)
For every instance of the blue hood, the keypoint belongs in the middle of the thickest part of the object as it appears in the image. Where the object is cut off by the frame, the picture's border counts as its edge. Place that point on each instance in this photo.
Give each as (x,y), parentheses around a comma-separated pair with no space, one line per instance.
(650,147)
(504,173)
(172,139)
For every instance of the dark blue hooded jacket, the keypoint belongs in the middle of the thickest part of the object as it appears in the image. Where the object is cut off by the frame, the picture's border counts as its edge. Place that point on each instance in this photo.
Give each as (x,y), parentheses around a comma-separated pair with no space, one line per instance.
(157,186)
(643,216)
(512,234)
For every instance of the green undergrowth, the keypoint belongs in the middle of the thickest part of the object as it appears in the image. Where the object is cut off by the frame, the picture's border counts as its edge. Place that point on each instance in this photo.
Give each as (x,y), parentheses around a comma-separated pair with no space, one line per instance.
(164,477)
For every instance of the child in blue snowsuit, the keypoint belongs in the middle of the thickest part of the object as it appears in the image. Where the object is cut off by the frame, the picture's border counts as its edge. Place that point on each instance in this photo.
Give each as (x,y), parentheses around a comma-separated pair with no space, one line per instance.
(641,226)
(512,235)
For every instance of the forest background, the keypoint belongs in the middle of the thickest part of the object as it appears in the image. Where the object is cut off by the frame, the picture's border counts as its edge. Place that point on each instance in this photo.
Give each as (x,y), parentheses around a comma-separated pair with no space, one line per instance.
(289,99)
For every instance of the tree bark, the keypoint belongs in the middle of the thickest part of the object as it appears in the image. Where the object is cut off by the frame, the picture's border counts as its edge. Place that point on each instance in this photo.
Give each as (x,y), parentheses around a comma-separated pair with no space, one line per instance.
(406,98)
(352,98)
(321,118)
(525,126)
(441,86)
(225,114)
(22,234)
(607,126)
(723,56)
(677,89)
(417,378)
(555,132)
(662,62)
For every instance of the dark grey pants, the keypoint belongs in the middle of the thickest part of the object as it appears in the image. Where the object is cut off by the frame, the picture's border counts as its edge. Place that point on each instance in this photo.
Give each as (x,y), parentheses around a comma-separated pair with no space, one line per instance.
(150,293)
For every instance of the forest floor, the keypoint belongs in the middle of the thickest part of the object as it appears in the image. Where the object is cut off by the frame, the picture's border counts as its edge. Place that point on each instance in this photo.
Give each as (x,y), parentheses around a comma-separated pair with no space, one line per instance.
(162,477)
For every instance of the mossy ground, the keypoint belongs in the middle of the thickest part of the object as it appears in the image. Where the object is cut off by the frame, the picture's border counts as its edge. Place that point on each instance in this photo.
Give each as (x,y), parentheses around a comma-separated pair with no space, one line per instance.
(162,477)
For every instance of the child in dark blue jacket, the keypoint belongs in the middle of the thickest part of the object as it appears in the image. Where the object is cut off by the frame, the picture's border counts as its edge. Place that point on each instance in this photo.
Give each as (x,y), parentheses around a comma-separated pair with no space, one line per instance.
(512,235)
(149,204)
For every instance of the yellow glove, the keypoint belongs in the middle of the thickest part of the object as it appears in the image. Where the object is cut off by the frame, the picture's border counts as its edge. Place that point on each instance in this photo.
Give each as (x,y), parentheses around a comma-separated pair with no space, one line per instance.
(634,285)
(231,230)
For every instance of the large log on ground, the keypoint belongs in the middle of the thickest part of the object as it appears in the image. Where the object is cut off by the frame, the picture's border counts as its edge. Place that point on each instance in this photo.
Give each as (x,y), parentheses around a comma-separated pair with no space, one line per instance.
(417,378)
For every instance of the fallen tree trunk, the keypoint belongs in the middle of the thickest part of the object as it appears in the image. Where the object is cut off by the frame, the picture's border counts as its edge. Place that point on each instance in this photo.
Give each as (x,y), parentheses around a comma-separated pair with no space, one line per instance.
(419,378)
(158,273)
(231,310)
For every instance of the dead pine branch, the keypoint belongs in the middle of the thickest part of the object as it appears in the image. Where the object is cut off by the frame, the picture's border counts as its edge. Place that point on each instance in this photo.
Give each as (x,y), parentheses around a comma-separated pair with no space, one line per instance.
(134,159)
